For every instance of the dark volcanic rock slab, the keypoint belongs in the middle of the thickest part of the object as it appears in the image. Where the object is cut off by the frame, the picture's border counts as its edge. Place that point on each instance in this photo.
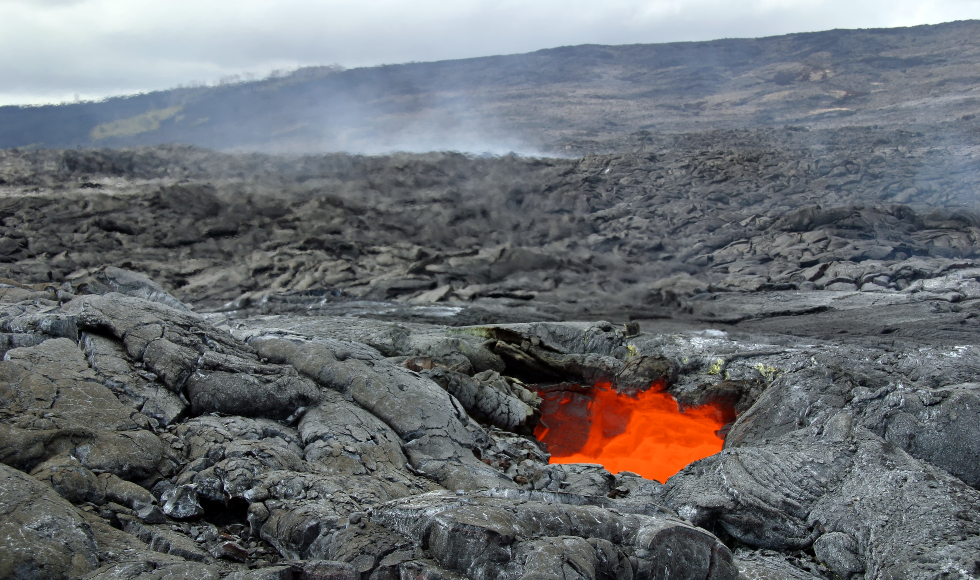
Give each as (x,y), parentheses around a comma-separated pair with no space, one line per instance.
(882,511)
(491,538)
(43,536)
(55,406)
(438,435)
(936,423)
(114,367)
(218,373)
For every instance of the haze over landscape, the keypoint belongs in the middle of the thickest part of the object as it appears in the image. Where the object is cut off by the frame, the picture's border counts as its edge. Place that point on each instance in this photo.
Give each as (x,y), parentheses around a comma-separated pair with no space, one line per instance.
(492,312)
(59,50)
(566,100)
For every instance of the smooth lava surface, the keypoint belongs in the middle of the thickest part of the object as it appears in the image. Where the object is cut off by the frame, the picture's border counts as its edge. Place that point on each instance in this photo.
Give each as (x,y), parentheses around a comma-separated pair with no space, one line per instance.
(644,433)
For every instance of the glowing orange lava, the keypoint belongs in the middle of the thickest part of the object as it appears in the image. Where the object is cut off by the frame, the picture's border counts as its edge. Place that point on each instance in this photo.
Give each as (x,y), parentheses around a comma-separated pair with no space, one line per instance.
(646,434)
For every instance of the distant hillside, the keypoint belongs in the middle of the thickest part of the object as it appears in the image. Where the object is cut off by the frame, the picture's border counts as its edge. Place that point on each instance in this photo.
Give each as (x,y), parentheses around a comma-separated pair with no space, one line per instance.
(574,99)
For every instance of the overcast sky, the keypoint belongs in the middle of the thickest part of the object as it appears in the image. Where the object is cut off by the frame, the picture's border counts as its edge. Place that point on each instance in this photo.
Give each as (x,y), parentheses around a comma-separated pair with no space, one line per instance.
(55,50)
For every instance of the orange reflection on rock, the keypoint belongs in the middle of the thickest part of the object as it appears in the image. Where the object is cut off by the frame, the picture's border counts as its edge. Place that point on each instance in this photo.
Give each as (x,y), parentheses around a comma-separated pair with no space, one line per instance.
(644,433)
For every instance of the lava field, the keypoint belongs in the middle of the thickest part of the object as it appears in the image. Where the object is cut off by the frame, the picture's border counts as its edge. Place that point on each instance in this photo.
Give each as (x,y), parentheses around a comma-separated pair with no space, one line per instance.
(739,353)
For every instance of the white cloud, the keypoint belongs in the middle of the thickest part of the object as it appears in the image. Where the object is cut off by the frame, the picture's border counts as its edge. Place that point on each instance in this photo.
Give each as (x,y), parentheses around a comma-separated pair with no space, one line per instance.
(51,50)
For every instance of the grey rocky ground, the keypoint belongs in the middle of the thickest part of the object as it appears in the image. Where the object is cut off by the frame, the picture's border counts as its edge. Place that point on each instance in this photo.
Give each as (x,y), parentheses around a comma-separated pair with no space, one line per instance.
(141,439)
(220,366)
(879,210)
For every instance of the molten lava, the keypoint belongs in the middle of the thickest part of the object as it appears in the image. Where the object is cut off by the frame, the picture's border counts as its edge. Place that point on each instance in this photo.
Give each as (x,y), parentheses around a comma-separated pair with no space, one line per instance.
(646,433)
